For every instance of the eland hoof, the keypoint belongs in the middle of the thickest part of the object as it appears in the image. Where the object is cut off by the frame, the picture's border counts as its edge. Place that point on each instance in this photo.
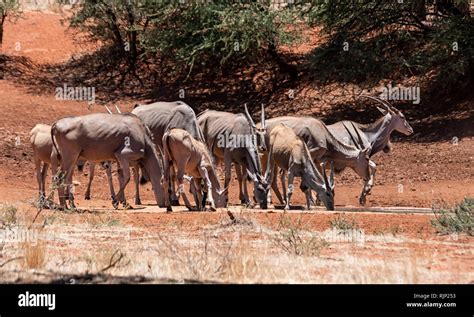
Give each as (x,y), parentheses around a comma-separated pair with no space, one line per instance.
(248,204)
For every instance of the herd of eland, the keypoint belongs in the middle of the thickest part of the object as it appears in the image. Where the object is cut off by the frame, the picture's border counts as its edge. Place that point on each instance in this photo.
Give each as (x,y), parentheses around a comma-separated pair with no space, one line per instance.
(168,144)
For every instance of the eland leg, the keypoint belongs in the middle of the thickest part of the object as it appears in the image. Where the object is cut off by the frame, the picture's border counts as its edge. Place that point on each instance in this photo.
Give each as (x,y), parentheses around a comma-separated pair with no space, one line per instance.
(205,176)
(56,179)
(108,171)
(136,178)
(307,193)
(174,198)
(124,178)
(243,194)
(44,173)
(181,191)
(39,178)
(87,195)
(368,184)
(194,185)
(68,162)
(166,184)
(227,172)
(275,186)
(291,178)
(283,185)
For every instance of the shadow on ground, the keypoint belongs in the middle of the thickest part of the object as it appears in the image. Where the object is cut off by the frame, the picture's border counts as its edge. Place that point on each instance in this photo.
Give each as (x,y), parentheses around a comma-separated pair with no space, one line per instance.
(51,277)
(433,120)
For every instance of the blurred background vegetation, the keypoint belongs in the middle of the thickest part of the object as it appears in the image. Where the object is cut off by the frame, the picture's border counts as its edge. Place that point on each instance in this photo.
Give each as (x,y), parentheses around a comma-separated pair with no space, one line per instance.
(383,37)
(295,56)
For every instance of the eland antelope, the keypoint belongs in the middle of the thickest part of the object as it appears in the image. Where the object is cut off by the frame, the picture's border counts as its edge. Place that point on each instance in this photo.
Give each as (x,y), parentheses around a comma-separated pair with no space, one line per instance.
(323,146)
(103,137)
(233,138)
(289,153)
(42,145)
(191,157)
(161,116)
(375,136)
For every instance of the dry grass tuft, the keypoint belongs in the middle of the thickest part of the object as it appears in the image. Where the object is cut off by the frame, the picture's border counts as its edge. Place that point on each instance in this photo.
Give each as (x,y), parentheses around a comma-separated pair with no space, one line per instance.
(98,220)
(34,254)
(293,238)
(341,223)
(8,215)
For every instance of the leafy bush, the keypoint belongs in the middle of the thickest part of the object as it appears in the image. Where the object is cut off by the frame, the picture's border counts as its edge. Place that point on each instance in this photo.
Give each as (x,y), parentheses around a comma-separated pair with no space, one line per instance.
(449,48)
(364,60)
(9,9)
(401,38)
(113,23)
(219,31)
(459,219)
(189,32)
(357,19)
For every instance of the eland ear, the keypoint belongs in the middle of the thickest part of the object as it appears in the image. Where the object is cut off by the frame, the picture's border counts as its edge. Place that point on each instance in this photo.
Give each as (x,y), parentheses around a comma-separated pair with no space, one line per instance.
(366,151)
(222,191)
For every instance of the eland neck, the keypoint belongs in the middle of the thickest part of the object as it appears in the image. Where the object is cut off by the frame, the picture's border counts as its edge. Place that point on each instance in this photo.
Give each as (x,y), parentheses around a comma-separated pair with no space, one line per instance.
(378,133)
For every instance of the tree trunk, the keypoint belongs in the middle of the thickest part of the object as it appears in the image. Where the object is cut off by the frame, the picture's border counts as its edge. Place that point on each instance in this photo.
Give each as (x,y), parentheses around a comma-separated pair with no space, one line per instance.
(113,25)
(1,48)
(132,37)
(2,21)
(419,7)
(1,37)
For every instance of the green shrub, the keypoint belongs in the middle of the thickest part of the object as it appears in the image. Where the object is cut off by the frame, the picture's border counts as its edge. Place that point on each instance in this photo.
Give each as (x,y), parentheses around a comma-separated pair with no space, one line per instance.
(459,219)
(188,33)
(9,10)
(396,39)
